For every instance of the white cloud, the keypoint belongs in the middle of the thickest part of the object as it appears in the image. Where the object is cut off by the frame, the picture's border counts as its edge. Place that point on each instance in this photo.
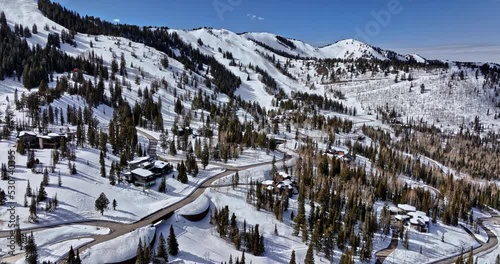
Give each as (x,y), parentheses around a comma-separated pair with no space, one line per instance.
(116,20)
(254,17)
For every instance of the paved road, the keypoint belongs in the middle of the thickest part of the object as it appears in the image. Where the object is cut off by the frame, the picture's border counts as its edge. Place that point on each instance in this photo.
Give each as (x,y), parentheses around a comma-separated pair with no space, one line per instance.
(381,255)
(153,143)
(119,229)
(485,247)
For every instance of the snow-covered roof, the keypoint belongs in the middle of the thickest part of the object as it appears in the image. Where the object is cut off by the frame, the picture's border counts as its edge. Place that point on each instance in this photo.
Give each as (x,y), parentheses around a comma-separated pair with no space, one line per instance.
(407,207)
(139,160)
(402,217)
(27,133)
(286,182)
(417,221)
(419,215)
(142,173)
(268,182)
(44,137)
(269,188)
(53,135)
(394,209)
(160,164)
(283,174)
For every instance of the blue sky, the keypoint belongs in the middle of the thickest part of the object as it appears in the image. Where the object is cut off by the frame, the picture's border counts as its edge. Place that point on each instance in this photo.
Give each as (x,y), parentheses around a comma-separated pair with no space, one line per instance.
(411,24)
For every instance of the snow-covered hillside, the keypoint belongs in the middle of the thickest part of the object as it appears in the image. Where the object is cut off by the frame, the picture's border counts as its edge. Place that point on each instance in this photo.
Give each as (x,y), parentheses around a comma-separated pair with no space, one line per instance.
(271,53)
(367,81)
(299,48)
(342,49)
(350,49)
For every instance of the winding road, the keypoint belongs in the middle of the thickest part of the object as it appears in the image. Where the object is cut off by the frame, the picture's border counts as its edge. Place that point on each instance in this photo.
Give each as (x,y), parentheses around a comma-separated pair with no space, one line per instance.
(484,248)
(119,229)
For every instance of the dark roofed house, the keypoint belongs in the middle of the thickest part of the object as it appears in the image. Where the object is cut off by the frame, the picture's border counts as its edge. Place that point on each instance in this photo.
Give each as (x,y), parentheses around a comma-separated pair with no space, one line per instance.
(160,168)
(47,141)
(142,177)
(51,140)
(29,138)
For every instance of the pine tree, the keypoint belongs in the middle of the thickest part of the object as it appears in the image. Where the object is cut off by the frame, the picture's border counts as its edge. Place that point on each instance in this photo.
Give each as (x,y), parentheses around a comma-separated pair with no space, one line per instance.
(42,194)
(242,261)
(305,233)
(470,258)
(147,253)
(163,185)
(78,260)
(101,203)
(140,253)
(31,256)
(28,190)
(45,179)
(161,250)
(182,174)
(33,215)
(172,148)
(237,239)
(112,173)
(71,256)
(292,258)
(59,180)
(255,241)
(173,246)
(309,259)
(112,179)
(178,107)
(205,155)
(103,167)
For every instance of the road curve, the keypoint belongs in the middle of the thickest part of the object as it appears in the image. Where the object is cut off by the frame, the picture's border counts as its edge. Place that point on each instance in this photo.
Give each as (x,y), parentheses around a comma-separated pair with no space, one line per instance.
(485,247)
(119,229)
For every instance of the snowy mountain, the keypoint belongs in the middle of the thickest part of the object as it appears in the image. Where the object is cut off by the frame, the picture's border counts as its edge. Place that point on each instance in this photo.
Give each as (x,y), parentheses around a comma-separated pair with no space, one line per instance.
(238,93)
(343,49)
(289,46)
(269,66)
(351,49)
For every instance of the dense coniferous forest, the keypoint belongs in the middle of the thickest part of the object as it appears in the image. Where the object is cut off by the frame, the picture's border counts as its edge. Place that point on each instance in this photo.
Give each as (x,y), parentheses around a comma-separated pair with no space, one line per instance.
(341,193)
(35,64)
(280,52)
(158,38)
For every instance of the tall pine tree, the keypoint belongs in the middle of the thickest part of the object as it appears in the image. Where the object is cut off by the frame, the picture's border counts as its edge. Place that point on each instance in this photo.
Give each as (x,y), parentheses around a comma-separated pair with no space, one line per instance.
(173,246)
(161,250)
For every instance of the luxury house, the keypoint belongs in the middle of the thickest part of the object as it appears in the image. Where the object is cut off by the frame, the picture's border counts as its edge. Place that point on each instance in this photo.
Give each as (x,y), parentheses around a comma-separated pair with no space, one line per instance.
(144,171)
(405,213)
(46,141)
